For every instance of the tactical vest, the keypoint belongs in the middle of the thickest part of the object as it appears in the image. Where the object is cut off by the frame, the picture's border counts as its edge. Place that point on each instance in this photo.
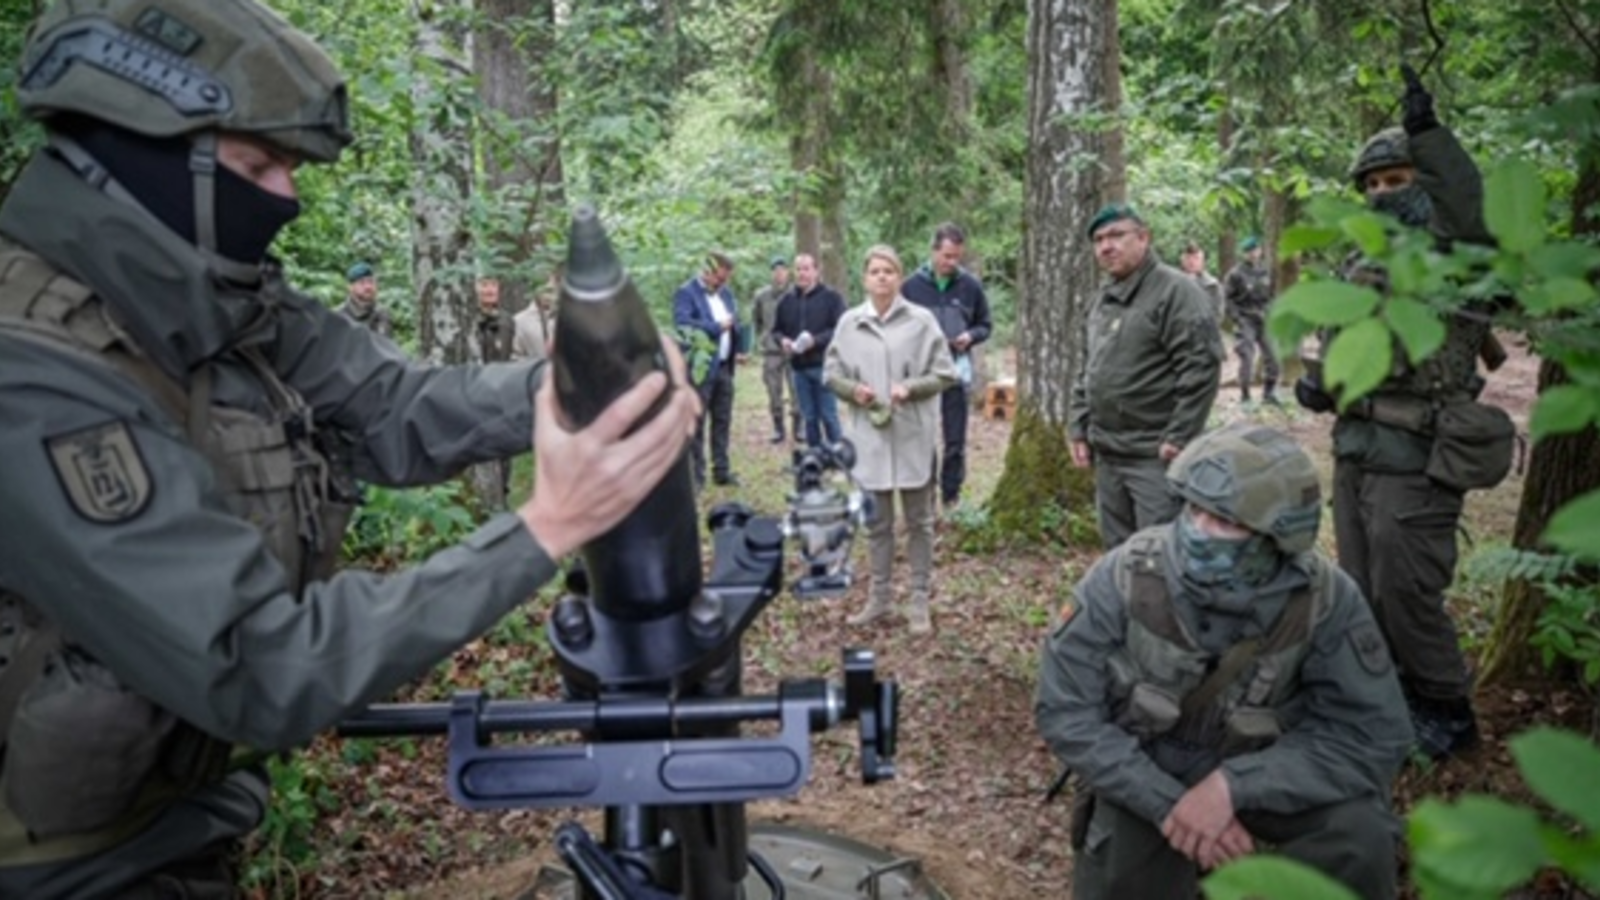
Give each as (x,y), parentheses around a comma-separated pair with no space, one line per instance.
(1256,295)
(1445,377)
(269,471)
(1164,686)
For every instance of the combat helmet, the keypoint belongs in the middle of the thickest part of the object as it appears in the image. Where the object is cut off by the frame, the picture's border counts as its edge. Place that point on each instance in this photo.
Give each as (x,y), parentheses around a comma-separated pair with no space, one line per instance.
(1386,149)
(164,68)
(1255,476)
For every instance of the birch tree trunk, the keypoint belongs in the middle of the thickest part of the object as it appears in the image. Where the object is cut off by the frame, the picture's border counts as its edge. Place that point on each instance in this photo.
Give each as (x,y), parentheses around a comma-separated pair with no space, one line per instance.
(441,152)
(1066,181)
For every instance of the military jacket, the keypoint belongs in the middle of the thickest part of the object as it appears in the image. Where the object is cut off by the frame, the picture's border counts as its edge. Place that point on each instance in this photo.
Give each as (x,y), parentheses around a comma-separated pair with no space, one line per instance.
(1247,290)
(1153,365)
(1414,392)
(1341,717)
(371,315)
(165,579)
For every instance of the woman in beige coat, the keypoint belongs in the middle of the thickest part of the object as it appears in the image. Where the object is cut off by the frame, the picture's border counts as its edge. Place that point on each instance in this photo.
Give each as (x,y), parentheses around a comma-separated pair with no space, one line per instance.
(889,362)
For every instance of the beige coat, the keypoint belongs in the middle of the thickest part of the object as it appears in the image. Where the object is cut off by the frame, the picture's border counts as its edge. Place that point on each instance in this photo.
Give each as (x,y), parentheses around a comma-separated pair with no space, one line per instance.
(905,347)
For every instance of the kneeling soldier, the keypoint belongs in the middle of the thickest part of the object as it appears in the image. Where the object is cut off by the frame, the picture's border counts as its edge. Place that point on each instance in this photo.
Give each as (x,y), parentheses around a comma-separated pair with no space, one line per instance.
(1218,687)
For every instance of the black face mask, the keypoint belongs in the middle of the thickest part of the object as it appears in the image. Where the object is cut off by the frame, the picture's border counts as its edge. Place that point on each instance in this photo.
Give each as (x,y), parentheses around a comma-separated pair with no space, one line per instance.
(156,172)
(248,217)
(1410,204)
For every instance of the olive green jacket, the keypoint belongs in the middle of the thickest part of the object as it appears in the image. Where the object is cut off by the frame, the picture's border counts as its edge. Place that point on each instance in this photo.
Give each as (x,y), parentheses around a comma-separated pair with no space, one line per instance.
(1152,367)
(176,596)
(1349,729)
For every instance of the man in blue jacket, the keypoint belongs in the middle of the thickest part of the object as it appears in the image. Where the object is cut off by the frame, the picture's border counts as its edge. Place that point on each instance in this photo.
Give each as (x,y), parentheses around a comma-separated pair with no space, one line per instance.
(956,299)
(704,303)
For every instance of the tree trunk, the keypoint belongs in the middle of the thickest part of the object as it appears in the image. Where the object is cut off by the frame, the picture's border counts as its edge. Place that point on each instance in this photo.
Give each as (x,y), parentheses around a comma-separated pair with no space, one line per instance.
(818,214)
(1065,185)
(1116,162)
(1562,469)
(521,151)
(441,151)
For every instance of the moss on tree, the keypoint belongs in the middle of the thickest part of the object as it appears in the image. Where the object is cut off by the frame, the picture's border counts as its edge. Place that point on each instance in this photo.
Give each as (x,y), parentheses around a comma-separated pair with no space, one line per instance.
(1040,493)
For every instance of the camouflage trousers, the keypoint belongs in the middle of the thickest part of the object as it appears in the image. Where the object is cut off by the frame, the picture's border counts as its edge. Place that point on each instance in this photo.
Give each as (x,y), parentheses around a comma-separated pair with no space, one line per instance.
(775,377)
(1250,336)
(1124,856)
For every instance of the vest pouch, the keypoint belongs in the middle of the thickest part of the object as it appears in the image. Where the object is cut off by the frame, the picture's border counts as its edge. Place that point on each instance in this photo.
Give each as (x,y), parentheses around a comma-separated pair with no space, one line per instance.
(79,749)
(1472,446)
(1250,728)
(1151,711)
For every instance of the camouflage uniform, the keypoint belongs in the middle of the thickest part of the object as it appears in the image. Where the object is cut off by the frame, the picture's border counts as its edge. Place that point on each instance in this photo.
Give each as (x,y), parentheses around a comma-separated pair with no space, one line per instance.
(1158,675)
(166,581)
(774,364)
(370,315)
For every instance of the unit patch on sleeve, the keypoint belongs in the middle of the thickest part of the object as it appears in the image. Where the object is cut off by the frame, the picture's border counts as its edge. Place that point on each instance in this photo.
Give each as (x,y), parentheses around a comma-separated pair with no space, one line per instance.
(1370,648)
(101,472)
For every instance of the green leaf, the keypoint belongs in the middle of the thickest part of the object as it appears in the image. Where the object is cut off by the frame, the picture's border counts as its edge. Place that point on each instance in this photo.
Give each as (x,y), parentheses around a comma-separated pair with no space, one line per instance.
(1417,326)
(1358,360)
(1554,294)
(1328,302)
(1575,528)
(1578,856)
(1272,878)
(1567,259)
(1480,843)
(1562,768)
(1366,229)
(1513,205)
(1286,330)
(1300,238)
(1563,409)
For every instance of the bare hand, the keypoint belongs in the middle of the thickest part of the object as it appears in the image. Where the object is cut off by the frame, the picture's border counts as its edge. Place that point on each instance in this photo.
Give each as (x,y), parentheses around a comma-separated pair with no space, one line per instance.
(788,346)
(1200,817)
(899,393)
(585,482)
(1080,454)
(961,342)
(865,395)
(1169,452)
(1234,843)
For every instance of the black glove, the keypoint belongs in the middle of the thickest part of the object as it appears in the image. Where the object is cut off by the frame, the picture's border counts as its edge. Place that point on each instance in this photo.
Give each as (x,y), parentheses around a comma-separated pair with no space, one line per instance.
(1309,393)
(1417,103)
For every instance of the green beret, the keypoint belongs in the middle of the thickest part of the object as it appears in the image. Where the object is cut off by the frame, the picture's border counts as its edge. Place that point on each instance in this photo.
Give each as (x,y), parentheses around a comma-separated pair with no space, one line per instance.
(1249,243)
(359,271)
(780,261)
(1113,212)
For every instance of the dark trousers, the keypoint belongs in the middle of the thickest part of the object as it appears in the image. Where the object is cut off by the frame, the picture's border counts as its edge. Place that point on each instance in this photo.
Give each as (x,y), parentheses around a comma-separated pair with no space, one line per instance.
(1130,495)
(717,395)
(817,405)
(1125,856)
(1251,336)
(1397,539)
(953,408)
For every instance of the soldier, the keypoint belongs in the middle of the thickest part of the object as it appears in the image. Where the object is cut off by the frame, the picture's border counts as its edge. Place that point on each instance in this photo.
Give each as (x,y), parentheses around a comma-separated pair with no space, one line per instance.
(166,578)
(1149,377)
(1395,508)
(774,364)
(1216,685)
(1193,261)
(361,300)
(495,328)
(1247,290)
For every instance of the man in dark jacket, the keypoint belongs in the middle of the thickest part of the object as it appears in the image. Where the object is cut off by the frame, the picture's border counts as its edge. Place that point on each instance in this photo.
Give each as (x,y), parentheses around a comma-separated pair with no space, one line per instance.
(1149,378)
(1395,520)
(956,298)
(804,325)
(705,304)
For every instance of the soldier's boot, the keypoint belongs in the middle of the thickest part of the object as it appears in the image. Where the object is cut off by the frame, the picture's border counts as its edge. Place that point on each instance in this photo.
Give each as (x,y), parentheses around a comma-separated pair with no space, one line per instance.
(778,436)
(920,618)
(1244,392)
(1444,728)
(1269,394)
(796,427)
(877,607)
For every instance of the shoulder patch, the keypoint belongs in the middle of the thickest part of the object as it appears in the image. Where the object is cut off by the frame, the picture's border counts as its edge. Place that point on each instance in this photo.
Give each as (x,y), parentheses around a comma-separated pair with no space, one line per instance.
(1370,647)
(101,472)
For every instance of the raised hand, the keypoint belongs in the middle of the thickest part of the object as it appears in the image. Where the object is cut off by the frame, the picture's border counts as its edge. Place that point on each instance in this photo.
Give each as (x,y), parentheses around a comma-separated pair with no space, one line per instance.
(1416,103)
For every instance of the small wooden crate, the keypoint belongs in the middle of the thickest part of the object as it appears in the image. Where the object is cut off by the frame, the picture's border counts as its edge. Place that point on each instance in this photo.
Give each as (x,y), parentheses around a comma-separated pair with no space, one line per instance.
(1000,400)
